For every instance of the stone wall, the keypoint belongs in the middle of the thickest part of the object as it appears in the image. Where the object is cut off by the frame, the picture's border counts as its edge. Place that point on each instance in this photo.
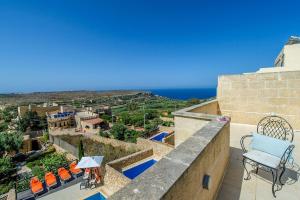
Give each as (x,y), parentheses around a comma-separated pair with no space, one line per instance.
(69,156)
(26,145)
(170,139)
(65,146)
(114,142)
(104,140)
(186,126)
(249,97)
(180,173)
(212,162)
(114,180)
(120,163)
(210,107)
(159,149)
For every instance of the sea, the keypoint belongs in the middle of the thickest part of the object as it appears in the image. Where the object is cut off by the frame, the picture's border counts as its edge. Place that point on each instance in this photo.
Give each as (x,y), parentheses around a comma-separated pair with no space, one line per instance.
(184,94)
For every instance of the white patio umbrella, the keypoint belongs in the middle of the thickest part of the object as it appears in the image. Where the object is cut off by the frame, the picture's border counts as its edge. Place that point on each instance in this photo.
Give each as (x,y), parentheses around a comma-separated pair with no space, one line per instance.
(90,162)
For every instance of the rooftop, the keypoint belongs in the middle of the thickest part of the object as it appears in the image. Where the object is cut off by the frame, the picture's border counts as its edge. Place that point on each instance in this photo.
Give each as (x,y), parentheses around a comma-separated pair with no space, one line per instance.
(259,186)
(93,121)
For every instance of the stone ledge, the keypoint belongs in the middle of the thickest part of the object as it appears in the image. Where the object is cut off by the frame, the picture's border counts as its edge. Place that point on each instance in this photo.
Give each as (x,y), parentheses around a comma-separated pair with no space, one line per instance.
(188,112)
(159,179)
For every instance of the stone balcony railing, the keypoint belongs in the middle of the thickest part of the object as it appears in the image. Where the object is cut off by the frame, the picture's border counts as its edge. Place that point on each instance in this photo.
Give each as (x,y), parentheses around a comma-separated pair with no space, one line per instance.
(195,168)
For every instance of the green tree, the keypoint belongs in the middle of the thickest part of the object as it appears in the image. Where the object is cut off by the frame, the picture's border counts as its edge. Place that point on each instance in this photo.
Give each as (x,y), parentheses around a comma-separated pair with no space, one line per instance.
(118,131)
(5,165)
(80,149)
(125,118)
(157,121)
(29,120)
(131,106)
(10,142)
(131,135)
(3,126)
(8,114)
(45,137)
(39,172)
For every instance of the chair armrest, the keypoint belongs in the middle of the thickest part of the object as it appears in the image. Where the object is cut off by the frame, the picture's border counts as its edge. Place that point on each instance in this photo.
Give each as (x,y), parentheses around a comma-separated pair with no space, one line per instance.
(242,142)
(287,154)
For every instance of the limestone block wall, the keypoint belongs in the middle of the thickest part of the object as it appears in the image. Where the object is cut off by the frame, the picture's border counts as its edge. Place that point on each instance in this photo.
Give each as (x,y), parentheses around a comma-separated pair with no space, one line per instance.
(213,162)
(114,180)
(249,97)
(26,145)
(210,107)
(120,163)
(159,149)
(170,139)
(185,127)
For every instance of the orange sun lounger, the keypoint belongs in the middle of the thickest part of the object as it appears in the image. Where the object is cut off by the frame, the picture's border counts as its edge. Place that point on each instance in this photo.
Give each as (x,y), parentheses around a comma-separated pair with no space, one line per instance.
(36,185)
(50,179)
(63,174)
(73,170)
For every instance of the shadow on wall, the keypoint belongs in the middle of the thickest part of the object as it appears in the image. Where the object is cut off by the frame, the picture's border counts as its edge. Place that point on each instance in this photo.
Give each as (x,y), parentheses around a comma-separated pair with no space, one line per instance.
(232,183)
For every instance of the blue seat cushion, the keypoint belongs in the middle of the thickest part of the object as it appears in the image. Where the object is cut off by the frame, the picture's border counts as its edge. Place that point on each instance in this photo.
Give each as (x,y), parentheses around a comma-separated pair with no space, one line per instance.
(263,158)
(270,145)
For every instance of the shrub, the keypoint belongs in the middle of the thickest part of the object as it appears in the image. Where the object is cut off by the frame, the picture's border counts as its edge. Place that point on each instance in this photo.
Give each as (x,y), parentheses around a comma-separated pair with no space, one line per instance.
(5,165)
(54,161)
(3,126)
(10,141)
(118,131)
(131,135)
(39,172)
(44,139)
(48,162)
(104,133)
(6,186)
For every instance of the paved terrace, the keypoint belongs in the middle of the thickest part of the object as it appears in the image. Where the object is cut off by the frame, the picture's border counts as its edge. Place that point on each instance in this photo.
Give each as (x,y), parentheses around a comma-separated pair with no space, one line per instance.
(259,186)
(73,192)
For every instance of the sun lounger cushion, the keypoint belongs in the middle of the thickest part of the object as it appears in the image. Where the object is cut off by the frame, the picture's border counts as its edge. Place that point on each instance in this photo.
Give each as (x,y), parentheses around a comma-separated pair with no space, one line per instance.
(73,170)
(64,174)
(36,185)
(270,145)
(50,179)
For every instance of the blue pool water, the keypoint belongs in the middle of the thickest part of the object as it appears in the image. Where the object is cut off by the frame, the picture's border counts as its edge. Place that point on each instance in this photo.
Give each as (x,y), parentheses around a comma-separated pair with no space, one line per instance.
(97,196)
(137,170)
(160,137)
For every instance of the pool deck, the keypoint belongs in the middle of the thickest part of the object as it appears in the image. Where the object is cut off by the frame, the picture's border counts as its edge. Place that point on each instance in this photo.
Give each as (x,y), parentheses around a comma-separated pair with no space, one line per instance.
(73,192)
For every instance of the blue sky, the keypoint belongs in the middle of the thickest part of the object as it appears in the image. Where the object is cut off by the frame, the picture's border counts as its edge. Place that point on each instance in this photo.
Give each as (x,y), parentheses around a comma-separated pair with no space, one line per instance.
(71,45)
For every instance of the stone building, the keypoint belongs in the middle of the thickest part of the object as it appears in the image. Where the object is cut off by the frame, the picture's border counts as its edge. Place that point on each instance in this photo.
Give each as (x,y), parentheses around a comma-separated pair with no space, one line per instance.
(61,120)
(288,59)
(250,96)
(89,122)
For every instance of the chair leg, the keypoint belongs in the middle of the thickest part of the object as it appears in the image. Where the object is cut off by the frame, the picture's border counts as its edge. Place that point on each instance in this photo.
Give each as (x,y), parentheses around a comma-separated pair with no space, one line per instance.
(256,170)
(274,175)
(280,177)
(248,173)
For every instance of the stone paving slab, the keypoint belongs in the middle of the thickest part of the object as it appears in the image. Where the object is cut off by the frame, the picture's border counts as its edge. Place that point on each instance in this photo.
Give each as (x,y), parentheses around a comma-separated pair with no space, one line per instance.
(259,186)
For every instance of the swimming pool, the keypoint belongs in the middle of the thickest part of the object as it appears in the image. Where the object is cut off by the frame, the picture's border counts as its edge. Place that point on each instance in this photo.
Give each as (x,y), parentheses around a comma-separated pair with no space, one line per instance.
(160,136)
(137,170)
(97,196)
